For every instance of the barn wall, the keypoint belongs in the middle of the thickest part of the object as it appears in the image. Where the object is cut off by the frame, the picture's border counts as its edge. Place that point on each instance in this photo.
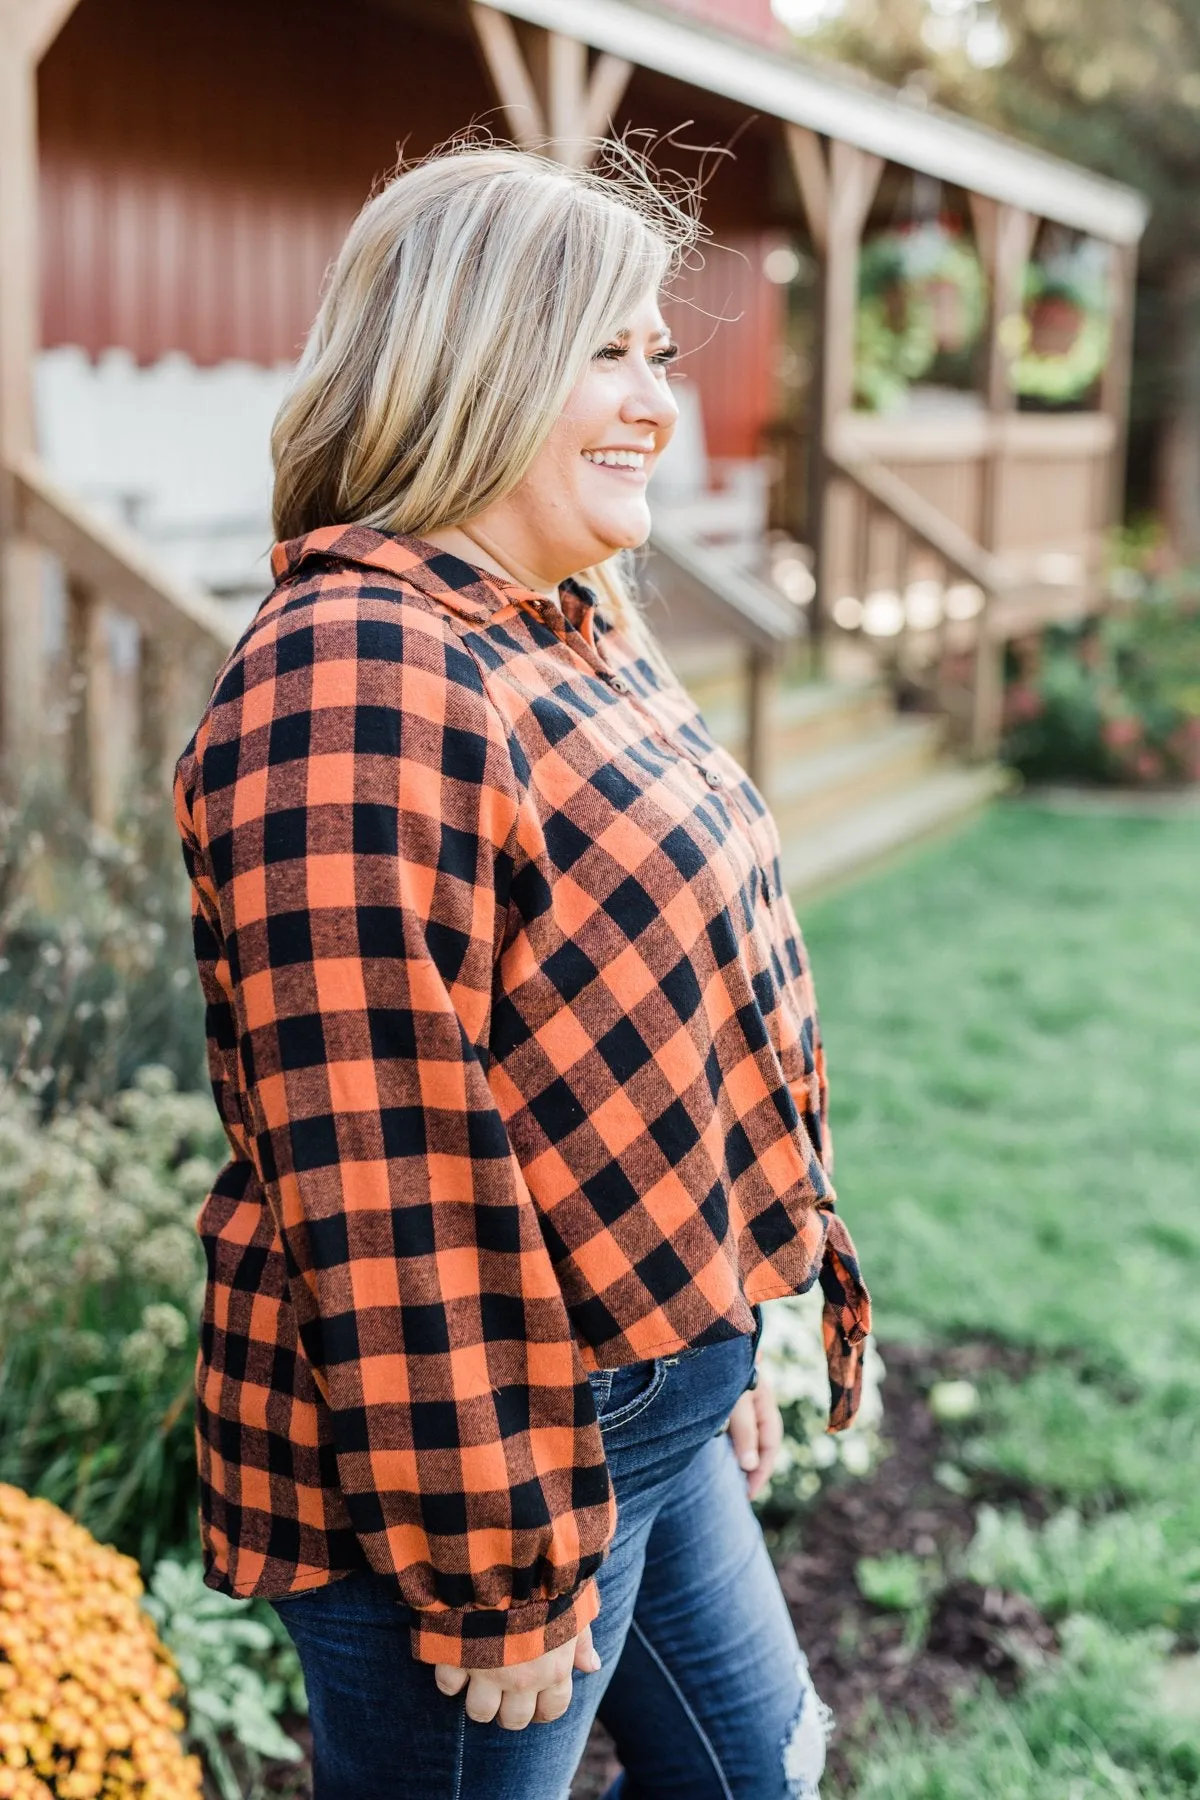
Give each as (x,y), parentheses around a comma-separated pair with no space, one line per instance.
(200,166)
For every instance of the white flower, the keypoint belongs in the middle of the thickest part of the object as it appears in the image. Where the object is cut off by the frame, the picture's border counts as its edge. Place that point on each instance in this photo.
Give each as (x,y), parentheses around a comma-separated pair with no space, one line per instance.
(165,1323)
(79,1407)
(143,1354)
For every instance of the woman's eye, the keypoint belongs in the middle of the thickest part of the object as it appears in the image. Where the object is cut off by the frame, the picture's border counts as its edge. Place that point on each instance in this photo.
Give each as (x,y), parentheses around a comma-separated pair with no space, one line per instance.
(612,352)
(666,356)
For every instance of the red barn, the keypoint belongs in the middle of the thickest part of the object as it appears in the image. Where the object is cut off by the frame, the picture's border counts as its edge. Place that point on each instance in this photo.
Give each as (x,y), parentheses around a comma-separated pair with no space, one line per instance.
(175,180)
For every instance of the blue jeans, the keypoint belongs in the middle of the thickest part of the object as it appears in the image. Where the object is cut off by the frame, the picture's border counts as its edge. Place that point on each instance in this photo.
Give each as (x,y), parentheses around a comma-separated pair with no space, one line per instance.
(703,1686)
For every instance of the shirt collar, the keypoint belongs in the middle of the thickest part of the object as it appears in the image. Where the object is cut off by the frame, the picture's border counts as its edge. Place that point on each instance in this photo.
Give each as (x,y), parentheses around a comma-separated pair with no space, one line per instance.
(473,593)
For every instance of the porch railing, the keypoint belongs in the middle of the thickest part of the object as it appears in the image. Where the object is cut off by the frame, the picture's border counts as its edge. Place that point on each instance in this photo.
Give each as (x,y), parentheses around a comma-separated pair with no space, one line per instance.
(1005,600)
(182,637)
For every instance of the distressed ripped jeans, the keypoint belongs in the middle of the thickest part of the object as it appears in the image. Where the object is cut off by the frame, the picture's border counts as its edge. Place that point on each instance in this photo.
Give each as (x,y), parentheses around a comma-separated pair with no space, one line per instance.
(703,1686)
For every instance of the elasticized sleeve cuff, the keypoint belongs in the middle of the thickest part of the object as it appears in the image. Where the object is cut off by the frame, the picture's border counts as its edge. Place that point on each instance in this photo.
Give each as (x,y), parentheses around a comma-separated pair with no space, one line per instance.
(497,1637)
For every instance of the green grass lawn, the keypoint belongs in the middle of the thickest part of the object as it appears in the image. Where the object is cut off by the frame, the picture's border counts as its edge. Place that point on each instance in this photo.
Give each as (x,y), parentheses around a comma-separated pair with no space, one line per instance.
(1013,1024)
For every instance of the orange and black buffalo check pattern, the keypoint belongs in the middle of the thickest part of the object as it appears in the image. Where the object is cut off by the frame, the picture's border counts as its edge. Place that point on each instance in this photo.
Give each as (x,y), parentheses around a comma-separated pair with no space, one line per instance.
(512,1031)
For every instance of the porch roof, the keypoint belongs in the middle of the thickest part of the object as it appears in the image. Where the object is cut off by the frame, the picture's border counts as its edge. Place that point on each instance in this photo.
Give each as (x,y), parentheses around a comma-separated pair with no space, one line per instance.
(842,104)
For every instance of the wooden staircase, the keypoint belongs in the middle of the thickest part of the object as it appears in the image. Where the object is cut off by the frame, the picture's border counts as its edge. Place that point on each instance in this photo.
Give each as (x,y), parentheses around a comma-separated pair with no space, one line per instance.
(852,782)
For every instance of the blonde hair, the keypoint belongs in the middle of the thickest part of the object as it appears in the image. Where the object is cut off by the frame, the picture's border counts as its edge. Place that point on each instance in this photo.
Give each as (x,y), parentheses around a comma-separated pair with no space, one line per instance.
(466,302)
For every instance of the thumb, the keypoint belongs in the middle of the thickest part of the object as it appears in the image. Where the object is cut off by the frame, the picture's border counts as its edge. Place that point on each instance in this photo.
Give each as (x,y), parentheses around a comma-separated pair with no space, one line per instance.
(743,1433)
(587,1659)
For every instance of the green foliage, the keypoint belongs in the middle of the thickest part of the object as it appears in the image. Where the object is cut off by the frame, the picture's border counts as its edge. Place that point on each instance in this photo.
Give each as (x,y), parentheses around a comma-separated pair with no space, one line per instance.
(1011,1028)
(1085,1728)
(241,1673)
(100,1288)
(897,1583)
(1121,1567)
(1113,700)
(97,977)
(906,281)
(1081,1441)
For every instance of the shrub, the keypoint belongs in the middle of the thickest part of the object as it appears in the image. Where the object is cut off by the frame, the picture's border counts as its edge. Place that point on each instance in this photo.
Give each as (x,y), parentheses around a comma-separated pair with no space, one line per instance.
(96,969)
(87,1692)
(1115,700)
(241,1673)
(100,1287)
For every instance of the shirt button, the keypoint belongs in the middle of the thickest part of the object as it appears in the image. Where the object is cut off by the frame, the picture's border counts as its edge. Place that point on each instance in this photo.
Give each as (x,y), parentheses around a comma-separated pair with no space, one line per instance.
(714,777)
(619,685)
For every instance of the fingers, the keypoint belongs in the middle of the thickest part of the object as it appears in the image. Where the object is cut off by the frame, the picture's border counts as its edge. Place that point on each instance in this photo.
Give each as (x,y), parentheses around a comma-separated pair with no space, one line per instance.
(553,1702)
(484,1697)
(770,1437)
(743,1432)
(587,1657)
(516,1710)
(515,1697)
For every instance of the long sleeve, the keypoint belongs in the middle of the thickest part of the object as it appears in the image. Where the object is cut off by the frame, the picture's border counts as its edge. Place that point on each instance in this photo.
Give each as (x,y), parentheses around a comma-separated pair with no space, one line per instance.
(351,838)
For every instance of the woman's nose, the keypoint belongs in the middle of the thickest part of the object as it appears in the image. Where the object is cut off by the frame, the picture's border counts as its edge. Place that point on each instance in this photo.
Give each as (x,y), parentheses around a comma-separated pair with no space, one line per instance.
(650,401)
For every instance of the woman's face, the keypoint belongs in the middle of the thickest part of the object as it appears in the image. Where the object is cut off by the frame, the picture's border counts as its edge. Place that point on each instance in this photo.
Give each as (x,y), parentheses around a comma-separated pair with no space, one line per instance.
(584,498)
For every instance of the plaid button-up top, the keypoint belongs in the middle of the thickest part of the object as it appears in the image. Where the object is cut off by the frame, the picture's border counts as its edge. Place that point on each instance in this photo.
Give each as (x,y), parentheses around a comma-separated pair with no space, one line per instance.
(512,1032)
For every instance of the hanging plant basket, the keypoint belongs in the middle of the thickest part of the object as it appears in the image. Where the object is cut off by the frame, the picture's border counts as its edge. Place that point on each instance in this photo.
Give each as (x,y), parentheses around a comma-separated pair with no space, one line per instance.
(922,294)
(1063,338)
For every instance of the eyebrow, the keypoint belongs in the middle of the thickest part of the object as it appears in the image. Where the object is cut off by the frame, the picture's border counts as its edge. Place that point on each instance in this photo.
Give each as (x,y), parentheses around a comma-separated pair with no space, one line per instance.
(663,331)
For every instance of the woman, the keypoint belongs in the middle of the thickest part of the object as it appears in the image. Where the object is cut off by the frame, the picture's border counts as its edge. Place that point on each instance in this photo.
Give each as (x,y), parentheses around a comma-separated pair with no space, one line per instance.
(514,1040)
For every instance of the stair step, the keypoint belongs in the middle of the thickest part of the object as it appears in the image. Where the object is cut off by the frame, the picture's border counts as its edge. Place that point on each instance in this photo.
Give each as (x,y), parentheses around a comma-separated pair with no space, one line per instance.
(803,719)
(863,838)
(811,788)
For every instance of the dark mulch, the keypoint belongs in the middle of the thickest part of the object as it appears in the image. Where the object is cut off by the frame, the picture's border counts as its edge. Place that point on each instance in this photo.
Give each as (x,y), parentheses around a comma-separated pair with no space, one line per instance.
(862,1659)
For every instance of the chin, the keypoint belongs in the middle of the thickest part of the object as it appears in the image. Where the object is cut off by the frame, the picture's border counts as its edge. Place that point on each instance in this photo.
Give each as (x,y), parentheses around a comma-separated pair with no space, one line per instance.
(626,533)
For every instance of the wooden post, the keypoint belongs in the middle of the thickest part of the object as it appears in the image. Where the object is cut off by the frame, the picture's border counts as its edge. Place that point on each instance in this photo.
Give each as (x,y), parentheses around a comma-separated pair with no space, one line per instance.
(854,177)
(759,689)
(27,28)
(1005,236)
(1115,382)
(20,562)
(92,776)
(550,99)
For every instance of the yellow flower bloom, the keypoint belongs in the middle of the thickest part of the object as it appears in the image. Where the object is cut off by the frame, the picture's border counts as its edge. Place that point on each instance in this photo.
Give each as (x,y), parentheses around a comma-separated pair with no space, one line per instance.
(86,1688)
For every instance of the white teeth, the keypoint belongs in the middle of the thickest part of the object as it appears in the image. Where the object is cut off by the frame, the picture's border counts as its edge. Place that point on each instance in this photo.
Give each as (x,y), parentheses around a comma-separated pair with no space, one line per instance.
(617,459)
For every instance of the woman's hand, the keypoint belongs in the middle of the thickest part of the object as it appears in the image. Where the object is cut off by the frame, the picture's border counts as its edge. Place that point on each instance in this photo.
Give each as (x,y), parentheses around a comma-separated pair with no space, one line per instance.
(536,1691)
(756,1431)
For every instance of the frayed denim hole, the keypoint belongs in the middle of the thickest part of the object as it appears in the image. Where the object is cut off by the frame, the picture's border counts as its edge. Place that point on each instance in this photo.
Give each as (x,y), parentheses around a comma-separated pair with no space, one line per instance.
(805,1740)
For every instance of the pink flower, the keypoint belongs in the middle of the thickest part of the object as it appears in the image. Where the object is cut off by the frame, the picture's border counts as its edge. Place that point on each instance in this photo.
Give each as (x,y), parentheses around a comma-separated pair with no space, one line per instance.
(1121,733)
(1024,702)
(1148,766)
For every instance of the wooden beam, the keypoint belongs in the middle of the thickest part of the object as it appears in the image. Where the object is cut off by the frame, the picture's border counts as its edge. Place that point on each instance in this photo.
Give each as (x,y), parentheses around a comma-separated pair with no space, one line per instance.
(853,181)
(807,157)
(565,94)
(551,101)
(20,564)
(606,89)
(497,39)
(41,22)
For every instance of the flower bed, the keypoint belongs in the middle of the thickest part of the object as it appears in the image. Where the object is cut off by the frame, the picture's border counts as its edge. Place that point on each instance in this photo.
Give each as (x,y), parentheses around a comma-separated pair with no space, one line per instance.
(1111,701)
(88,1694)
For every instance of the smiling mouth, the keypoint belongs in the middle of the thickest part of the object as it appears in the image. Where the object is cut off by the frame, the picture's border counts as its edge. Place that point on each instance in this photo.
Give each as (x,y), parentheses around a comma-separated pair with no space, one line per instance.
(617,459)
